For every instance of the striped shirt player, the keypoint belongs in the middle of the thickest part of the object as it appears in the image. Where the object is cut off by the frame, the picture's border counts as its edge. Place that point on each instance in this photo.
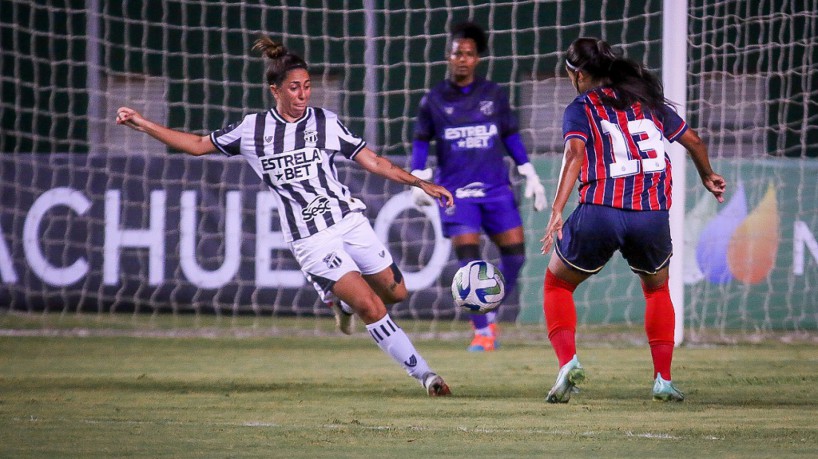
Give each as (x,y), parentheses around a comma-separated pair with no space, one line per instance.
(625,166)
(292,147)
(296,160)
(614,148)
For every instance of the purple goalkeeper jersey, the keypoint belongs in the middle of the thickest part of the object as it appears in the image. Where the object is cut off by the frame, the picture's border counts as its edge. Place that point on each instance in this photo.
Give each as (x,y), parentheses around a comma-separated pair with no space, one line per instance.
(468,128)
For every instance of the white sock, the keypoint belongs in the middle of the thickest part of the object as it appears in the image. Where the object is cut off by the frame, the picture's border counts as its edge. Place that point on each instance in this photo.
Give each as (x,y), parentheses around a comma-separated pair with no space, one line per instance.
(392,340)
(491,317)
(486,331)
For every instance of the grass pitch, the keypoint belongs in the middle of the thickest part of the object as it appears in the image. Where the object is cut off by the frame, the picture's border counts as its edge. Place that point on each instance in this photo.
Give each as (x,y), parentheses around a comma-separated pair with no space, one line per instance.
(177,387)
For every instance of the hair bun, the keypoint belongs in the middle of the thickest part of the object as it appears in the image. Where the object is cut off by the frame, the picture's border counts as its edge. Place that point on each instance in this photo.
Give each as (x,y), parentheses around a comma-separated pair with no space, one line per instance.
(269,48)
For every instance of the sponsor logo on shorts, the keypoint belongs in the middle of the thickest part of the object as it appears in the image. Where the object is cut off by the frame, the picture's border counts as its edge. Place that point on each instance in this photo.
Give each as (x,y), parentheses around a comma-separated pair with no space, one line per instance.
(318,206)
(472,190)
(332,260)
(382,253)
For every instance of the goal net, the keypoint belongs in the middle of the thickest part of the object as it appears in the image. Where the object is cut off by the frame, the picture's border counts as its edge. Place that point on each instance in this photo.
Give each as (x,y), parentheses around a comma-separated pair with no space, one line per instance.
(96,217)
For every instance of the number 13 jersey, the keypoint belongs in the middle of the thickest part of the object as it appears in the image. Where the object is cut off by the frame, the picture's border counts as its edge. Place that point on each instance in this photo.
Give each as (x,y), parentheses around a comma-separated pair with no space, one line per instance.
(625,161)
(296,160)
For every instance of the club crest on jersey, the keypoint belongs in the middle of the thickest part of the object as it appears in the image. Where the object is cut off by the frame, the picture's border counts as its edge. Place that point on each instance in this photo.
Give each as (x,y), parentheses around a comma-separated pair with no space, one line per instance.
(487,107)
(311,136)
(318,206)
(268,139)
(448,110)
(332,260)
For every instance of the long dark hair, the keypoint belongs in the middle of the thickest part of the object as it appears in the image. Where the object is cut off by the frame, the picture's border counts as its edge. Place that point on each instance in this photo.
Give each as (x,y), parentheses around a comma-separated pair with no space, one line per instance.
(631,81)
(281,60)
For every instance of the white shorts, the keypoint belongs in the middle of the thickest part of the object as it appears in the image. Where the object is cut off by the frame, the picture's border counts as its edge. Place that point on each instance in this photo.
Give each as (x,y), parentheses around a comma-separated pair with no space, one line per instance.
(350,245)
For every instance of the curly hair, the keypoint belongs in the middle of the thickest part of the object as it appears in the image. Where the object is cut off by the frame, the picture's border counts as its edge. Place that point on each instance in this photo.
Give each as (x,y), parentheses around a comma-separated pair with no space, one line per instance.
(472,31)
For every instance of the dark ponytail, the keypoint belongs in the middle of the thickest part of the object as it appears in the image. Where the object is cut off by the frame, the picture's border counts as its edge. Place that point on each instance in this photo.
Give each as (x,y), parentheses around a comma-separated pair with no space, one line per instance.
(631,81)
(281,60)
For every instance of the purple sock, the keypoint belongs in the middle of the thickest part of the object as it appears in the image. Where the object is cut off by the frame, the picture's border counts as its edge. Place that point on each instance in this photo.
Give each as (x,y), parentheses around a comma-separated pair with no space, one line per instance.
(479,321)
(466,254)
(510,266)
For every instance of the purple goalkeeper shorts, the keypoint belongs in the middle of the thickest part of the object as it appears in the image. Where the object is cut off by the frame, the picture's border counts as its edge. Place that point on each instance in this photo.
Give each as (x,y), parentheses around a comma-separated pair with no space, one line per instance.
(467,216)
(593,233)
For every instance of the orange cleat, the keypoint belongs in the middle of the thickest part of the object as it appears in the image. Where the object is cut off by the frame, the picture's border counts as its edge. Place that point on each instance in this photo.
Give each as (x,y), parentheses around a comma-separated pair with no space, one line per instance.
(482,343)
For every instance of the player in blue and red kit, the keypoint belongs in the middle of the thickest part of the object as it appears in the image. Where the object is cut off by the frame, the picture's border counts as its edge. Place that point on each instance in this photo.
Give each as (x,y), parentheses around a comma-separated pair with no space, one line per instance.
(473,127)
(614,135)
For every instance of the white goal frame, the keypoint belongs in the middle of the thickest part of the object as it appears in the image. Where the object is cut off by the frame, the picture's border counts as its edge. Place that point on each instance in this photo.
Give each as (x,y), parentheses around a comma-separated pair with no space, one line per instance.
(674,79)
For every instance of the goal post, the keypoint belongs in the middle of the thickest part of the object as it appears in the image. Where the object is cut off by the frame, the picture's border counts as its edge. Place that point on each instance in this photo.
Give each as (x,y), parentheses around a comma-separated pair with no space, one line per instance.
(674,79)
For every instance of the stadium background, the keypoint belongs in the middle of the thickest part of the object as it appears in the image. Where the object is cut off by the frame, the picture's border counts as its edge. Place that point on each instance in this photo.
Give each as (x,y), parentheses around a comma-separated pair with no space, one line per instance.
(752,83)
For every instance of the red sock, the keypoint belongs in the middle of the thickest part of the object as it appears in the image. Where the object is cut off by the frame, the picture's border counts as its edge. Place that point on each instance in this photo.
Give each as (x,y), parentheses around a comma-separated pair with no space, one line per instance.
(660,326)
(560,316)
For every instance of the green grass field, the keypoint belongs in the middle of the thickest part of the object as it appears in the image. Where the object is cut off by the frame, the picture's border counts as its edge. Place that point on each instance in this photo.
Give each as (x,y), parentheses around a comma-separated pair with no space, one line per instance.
(101,386)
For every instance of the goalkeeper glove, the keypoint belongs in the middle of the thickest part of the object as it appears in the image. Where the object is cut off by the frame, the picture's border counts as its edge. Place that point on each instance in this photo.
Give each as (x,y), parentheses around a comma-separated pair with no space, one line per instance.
(418,195)
(533,187)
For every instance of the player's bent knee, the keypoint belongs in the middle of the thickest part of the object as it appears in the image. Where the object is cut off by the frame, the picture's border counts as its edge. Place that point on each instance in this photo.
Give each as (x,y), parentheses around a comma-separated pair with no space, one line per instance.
(398,294)
(389,285)
(370,308)
(395,293)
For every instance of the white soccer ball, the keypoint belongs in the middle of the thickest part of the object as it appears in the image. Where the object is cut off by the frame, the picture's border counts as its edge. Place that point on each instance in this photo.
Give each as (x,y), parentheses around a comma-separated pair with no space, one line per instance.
(478,287)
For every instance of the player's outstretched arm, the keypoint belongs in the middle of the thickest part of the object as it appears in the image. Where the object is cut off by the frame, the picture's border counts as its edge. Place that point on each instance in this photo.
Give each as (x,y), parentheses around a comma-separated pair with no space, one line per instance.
(714,182)
(385,168)
(571,164)
(189,143)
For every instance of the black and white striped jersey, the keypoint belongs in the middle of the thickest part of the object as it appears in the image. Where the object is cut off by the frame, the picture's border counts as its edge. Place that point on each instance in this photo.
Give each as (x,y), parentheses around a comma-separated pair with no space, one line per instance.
(296,160)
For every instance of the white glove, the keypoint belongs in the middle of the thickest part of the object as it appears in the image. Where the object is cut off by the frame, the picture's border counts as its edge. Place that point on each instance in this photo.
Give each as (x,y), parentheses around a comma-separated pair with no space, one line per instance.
(419,196)
(533,187)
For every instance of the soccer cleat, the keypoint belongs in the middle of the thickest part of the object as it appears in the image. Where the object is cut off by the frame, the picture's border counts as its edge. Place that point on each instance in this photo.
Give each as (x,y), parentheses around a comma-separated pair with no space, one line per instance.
(435,385)
(482,343)
(665,391)
(570,375)
(494,329)
(343,320)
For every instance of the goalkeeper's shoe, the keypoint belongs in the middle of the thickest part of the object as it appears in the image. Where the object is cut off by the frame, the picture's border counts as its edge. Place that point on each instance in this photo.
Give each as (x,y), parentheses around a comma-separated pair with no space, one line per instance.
(343,319)
(435,385)
(665,391)
(570,375)
(482,343)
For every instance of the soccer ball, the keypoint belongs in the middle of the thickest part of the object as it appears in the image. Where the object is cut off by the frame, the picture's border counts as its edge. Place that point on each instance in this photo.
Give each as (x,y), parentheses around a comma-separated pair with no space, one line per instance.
(478,287)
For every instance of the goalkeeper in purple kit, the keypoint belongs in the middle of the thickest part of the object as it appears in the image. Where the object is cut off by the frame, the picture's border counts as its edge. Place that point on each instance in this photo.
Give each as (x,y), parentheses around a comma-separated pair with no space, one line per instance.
(471,122)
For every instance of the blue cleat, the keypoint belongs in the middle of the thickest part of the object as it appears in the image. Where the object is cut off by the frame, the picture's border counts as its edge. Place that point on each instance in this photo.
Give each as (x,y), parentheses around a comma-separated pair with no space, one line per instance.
(665,391)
